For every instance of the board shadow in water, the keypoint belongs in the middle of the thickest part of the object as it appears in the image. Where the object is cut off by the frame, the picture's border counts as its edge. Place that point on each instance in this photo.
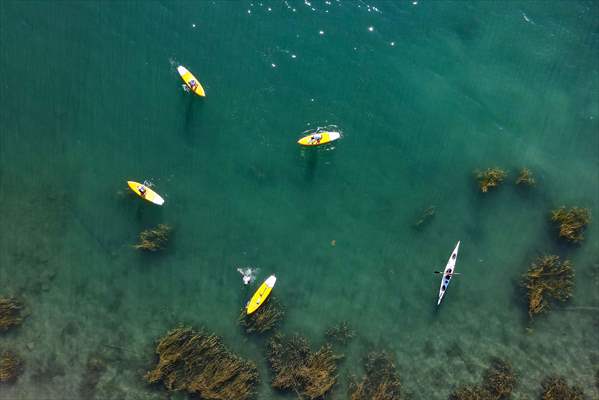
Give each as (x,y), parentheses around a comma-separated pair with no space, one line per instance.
(191,118)
(311,164)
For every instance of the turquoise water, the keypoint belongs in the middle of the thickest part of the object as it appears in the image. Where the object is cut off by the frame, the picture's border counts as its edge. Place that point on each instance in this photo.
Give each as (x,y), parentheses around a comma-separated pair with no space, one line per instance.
(90,97)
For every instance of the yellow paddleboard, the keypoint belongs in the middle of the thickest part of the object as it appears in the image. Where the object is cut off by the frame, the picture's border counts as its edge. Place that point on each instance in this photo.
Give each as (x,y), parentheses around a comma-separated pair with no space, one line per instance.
(191,81)
(261,294)
(149,194)
(313,138)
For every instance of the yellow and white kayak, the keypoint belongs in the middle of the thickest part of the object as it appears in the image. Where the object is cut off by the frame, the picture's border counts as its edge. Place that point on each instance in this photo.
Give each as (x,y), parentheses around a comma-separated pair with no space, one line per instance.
(191,81)
(261,294)
(149,194)
(318,138)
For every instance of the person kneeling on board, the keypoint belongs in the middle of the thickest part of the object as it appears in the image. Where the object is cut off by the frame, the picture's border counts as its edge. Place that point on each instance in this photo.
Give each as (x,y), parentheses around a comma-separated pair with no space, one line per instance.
(142,190)
(316,138)
(193,85)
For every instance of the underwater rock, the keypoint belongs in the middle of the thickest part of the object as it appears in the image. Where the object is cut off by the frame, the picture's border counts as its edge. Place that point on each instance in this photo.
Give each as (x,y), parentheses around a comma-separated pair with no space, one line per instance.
(342,333)
(425,217)
(547,279)
(296,368)
(571,222)
(199,363)
(10,313)
(491,177)
(381,381)
(154,239)
(499,380)
(525,178)
(264,319)
(556,388)
(11,367)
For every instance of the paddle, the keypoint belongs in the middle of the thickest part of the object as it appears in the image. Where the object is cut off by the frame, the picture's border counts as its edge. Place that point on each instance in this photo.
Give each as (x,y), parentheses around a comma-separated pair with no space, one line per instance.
(441,272)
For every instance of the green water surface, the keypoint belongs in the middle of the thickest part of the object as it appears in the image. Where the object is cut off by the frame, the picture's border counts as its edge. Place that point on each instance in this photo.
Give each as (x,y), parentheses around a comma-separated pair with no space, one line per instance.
(424,92)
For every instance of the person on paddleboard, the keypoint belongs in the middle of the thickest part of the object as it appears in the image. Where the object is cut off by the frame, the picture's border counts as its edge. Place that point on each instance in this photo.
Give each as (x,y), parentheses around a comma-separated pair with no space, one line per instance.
(193,85)
(316,138)
(142,190)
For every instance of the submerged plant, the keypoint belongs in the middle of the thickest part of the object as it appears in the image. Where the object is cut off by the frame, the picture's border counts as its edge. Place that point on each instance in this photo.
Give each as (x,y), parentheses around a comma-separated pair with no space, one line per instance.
(381,381)
(296,368)
(11,367)
(498,383)
(491,177)
(264,319)
(499,380)
(341,333)
(547,278)
(154,239)
(94,368)
(10,313)
(556,388)
(199,363)
(468,392)
(525,178)
(571,222)
(425,217)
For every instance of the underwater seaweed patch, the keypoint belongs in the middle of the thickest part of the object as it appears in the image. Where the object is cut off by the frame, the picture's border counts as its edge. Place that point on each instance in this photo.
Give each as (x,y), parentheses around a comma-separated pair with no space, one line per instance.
(154,239)
(489,178)
(547,279)
(10,313)
(264,319)
(11,367)
(571,222)
(381,381)
(556,388)
(297,368)
(525,177)
(199,363)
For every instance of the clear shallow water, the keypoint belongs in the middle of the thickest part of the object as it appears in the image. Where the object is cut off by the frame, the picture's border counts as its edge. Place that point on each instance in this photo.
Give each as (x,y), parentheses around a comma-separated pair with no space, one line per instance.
(90,97)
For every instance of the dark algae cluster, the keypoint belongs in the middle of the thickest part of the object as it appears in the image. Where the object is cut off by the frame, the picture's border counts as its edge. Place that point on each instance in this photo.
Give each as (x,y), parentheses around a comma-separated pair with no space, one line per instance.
(557,388)
(525,178)
(489,178)
(154,239)
(197,362)
(381,380)
(571,222)
(11,367)
(10,313)
(548,279)
(341,333)
(499,380)
(266,318)
(297,369)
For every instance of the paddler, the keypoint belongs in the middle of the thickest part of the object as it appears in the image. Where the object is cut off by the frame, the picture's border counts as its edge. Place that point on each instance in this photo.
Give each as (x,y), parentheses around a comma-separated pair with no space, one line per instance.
(316,138)
(142,190)
(193,85)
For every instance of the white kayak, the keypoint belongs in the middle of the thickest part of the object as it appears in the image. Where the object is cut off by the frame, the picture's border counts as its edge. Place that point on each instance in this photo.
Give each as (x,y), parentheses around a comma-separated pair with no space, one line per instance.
(448,273)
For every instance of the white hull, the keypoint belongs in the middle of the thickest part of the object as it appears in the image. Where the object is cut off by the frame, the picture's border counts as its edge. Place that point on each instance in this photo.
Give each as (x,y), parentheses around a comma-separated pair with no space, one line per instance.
(449,269)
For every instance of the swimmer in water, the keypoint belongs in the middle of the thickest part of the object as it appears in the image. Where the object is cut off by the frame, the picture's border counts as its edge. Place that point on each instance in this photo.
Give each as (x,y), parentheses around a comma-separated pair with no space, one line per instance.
(248,275)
